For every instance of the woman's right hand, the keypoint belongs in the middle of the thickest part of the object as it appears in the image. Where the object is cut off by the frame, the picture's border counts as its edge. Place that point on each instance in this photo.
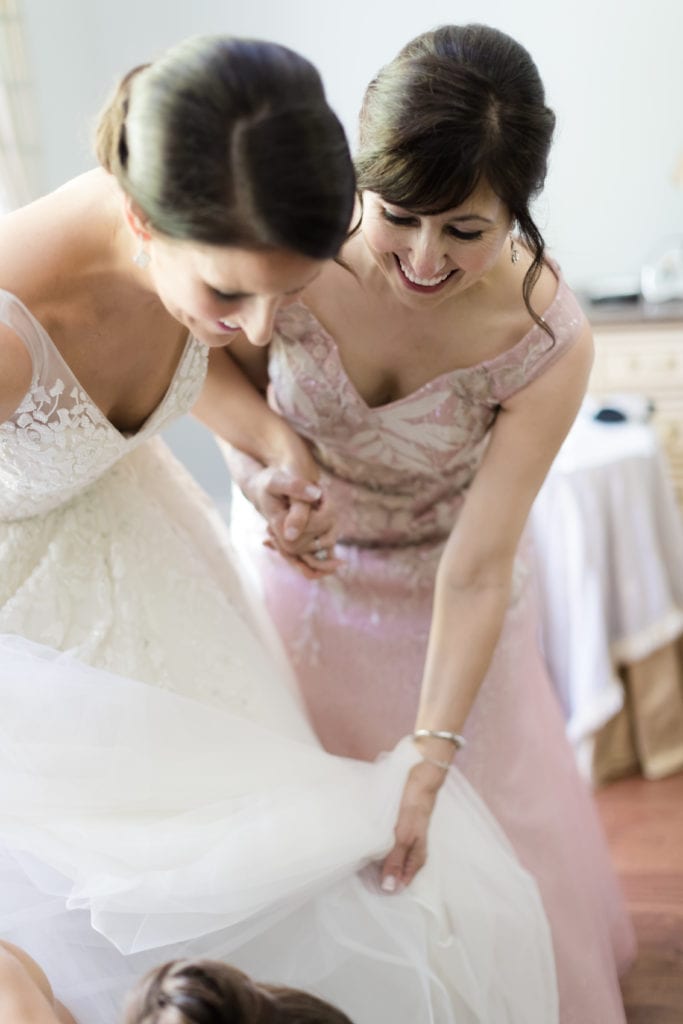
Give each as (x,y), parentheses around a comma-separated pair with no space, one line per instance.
(301,521)
(409,852)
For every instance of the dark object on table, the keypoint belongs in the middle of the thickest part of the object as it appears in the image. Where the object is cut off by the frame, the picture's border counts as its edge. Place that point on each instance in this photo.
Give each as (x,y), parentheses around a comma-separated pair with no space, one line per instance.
(623,298)
(622,407)
(609,415)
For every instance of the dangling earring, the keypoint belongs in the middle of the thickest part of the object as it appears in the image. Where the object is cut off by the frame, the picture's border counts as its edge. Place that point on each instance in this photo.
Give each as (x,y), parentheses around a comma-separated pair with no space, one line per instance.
(514,251)
(142,258)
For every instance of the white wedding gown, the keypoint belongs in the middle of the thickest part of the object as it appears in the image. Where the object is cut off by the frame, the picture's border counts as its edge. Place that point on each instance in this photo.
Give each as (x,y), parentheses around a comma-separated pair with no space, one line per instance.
(161,791)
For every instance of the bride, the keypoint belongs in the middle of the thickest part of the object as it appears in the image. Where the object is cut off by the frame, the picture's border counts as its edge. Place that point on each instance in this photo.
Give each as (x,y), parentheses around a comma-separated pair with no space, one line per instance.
(163,793)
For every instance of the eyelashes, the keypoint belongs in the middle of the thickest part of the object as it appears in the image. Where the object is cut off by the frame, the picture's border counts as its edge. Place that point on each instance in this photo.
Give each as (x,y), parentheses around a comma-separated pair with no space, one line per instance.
(225,296)
(401,222)
(465,236)
(406,222)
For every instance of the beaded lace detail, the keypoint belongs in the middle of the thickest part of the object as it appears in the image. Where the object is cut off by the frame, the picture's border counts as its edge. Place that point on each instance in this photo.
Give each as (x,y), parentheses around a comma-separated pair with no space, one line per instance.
(58,441)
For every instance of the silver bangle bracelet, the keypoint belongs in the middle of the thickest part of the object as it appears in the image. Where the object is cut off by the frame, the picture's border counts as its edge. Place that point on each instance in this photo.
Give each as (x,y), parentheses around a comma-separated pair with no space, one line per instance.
(441,734)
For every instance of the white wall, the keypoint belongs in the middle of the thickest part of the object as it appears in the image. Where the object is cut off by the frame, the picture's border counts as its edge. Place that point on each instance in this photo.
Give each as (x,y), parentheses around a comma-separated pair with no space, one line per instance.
(613,71)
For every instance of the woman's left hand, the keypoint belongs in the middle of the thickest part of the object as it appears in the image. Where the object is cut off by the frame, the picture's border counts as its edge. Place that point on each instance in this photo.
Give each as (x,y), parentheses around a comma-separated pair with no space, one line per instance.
(409,852)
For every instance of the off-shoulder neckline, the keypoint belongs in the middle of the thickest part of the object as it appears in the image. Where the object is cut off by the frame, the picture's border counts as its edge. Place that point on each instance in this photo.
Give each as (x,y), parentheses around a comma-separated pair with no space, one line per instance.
(488,365)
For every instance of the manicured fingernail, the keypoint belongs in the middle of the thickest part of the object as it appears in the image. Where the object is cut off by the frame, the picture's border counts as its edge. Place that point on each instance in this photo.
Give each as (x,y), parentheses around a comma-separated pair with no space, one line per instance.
(291,533)
(314,493)
(389,884)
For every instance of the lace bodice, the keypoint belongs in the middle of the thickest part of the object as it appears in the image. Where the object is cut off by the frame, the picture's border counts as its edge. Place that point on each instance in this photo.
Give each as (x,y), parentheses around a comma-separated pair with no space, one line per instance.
(397,472)
(58,441)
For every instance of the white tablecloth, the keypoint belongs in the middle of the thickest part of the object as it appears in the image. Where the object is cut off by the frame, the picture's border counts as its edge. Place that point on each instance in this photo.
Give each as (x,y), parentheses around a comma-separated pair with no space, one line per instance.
(609,538)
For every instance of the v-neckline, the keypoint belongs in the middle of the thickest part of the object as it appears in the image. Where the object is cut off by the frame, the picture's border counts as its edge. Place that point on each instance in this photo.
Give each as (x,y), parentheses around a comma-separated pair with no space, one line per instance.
(125,436)
(441,377)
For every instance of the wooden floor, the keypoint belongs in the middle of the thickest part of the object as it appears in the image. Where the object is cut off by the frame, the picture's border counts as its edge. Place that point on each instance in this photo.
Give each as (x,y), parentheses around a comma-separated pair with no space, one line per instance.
(644,824)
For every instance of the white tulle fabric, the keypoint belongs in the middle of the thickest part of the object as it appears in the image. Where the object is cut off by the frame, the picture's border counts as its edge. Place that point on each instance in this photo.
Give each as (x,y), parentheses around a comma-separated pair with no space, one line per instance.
(162,792)
(167,826)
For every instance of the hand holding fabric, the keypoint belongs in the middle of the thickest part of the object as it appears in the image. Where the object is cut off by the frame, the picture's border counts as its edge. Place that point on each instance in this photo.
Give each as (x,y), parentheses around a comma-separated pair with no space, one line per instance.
(409,852)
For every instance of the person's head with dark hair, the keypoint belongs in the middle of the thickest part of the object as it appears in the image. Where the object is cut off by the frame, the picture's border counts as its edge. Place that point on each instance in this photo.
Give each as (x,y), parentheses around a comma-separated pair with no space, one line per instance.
(237,177)
(459,115)
(231,142)
(211,992)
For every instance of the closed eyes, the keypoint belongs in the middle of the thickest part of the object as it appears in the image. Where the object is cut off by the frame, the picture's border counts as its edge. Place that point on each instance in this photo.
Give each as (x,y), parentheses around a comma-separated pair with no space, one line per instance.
(465,236)
(226,296)
(407,222)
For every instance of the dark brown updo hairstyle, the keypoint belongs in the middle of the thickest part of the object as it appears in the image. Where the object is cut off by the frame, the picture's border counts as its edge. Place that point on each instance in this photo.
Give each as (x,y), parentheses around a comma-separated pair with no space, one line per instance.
(231,142)
(211,992)
(458,106)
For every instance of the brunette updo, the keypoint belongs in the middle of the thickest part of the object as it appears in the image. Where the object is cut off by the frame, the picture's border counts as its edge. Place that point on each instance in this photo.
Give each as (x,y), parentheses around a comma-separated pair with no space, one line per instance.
(231,142)
(459,106)
(211,992)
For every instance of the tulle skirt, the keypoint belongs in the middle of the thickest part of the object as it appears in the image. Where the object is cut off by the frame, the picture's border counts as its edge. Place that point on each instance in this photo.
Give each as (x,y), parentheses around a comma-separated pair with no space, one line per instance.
(163,794)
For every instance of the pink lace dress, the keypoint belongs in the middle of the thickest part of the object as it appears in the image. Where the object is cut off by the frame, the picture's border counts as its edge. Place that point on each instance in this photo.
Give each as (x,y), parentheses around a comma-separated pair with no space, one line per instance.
(397,475)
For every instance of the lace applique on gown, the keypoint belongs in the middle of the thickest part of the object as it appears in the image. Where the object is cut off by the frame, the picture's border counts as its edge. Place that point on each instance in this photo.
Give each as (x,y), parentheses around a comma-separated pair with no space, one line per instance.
(163,793)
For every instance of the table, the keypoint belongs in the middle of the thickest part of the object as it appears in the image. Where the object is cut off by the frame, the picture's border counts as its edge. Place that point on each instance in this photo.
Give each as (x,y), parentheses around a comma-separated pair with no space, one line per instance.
(639,350)
(609,541)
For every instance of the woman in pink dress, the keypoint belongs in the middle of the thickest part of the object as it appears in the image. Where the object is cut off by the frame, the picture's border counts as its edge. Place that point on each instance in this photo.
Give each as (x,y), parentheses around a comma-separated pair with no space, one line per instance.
(432,375)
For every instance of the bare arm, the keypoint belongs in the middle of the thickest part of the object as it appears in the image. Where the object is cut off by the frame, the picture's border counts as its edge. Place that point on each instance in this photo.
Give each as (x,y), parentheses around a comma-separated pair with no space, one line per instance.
(268,461)
(475,575)
(25,993)
(232,406)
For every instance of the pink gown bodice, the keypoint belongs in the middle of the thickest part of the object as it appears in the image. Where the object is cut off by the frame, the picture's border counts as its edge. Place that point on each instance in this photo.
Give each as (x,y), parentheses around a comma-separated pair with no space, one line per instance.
(397,473)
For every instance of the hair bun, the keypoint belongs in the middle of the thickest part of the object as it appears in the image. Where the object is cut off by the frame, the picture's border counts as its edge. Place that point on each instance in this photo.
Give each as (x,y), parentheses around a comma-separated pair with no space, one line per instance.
(111,143)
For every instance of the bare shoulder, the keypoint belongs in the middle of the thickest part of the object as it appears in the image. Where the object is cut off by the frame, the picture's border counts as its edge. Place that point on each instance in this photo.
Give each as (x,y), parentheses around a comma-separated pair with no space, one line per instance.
(43,243)
(556,394)
(29,245)
(16,370)
(11,954)
(339,295)
(340,275)
(545,289)
(511,296)
(25,992)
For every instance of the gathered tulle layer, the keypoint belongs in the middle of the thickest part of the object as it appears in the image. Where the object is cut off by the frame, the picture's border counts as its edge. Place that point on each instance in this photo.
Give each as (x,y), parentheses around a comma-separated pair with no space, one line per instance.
(164,795)
(139,824)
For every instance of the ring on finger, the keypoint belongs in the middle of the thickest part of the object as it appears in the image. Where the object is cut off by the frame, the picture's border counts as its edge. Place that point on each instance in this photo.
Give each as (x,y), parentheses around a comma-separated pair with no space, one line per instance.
(322,554)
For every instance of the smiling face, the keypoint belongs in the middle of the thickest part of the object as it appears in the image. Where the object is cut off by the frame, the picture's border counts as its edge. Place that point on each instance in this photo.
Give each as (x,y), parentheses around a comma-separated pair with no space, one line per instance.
(216,292)
(429,259)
